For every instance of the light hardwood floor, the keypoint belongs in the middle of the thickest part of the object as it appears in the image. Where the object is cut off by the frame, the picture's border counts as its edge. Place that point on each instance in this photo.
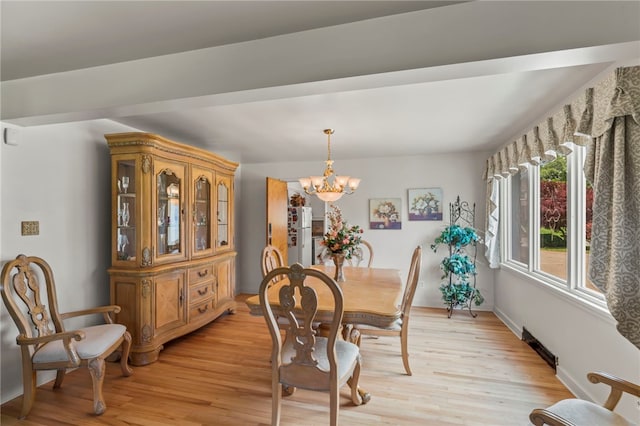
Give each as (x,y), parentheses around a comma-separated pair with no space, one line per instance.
(465,372)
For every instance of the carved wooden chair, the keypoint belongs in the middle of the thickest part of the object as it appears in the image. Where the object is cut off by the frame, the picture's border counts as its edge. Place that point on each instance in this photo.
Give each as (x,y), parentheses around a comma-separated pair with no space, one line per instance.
(324,257)
(401,326)
(308,361)
(43,340)
(571,412)
(271,259)
(362,253)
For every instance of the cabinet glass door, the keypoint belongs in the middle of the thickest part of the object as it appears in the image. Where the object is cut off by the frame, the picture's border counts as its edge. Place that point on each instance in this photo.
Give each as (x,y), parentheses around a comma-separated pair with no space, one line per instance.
(202,214)
(126,210)
(169,213)
(222,235)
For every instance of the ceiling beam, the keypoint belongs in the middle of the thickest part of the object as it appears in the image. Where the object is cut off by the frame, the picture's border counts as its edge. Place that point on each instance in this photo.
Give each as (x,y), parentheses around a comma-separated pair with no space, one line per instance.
(469,39)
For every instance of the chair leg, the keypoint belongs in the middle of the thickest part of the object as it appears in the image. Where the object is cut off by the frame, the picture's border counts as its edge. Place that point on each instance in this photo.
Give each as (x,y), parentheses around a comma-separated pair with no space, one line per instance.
(276,399)
(404,340)
(29,384)
(334,405)
(124,358)
(353,384)
(97,370)
(59,378)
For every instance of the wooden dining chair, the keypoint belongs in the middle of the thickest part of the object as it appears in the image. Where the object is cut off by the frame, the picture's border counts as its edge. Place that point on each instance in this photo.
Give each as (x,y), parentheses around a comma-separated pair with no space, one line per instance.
(308,361)
(43,339)
(271,259)
(573,411)
(401,326)
(362,254)
(324,257)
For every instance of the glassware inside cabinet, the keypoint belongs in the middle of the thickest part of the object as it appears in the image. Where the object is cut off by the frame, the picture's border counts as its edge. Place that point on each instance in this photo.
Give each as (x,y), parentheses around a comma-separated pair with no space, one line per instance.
(202,214)
(126,210)
(169,213)
(223,206)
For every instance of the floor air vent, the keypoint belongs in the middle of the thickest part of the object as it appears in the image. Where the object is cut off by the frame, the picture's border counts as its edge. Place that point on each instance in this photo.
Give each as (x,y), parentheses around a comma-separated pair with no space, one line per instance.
(544,353)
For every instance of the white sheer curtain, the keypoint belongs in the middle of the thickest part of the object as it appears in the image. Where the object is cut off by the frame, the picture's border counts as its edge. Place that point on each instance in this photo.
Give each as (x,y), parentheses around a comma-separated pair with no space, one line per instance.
(607,119)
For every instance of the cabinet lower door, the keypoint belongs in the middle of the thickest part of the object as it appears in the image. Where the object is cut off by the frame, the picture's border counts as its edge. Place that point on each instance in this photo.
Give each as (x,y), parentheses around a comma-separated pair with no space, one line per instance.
(224,281)
(169,302)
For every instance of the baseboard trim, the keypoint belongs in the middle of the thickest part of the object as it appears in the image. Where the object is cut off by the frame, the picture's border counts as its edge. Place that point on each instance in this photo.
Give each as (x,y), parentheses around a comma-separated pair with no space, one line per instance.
(511,325)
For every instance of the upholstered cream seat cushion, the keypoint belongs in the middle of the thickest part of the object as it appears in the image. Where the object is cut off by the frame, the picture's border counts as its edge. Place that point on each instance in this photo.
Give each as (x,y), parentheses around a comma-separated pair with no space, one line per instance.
(395,326)
(581,412)
(346,355)
(98,339)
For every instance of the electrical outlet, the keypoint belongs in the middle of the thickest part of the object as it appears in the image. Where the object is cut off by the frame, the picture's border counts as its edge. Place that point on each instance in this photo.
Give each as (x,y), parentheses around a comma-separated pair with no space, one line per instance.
(31,227)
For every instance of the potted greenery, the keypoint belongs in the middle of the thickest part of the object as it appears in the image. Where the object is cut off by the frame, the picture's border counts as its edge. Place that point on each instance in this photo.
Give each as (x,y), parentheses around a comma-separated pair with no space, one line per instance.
(459,269)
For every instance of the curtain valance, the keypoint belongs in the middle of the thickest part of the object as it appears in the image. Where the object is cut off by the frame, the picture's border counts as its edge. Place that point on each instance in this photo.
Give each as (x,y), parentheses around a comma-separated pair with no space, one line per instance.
(607,117)
(587,116)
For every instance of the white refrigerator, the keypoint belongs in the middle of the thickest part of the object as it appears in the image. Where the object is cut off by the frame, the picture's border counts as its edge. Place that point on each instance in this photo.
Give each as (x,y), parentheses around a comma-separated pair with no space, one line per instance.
(299,241)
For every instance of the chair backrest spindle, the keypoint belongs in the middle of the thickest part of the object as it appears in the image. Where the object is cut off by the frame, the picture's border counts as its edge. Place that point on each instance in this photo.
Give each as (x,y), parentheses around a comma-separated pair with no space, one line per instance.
(362,253)
(271,259)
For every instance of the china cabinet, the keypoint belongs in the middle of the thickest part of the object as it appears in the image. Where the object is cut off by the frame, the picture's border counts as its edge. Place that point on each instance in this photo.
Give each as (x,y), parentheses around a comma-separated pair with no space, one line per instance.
(173,257)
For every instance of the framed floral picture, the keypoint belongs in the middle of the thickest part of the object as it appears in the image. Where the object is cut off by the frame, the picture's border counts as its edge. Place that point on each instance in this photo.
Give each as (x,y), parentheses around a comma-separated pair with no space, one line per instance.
(385,213)
(425,204)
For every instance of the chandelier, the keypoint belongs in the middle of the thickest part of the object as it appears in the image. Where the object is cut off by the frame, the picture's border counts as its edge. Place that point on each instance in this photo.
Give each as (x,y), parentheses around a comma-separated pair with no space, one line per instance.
(329,187)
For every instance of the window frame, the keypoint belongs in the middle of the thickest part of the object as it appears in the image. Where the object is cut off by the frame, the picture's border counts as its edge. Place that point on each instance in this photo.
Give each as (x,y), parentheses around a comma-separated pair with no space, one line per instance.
(574,287)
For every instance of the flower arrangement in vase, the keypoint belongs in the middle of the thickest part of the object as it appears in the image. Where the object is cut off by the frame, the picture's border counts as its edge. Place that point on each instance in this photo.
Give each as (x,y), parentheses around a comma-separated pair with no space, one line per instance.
(341,240)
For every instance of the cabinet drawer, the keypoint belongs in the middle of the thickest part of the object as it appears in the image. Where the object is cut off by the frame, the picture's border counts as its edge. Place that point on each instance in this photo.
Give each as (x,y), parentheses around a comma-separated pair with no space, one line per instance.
(201,310)
(200,292)
(200,274)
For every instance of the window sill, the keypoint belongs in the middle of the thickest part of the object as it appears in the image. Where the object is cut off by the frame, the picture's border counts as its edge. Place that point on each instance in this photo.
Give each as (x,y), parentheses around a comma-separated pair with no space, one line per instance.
(575,298)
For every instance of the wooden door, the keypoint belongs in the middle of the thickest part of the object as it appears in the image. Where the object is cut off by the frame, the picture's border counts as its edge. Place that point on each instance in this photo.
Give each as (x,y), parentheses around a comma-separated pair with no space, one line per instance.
(277,201)
(201,192)
(169,303)
(224,209)
(224,290)
(168,213)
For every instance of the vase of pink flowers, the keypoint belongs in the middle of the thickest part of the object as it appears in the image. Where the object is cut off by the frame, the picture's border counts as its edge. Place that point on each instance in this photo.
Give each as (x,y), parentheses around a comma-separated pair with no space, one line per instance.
(341,240)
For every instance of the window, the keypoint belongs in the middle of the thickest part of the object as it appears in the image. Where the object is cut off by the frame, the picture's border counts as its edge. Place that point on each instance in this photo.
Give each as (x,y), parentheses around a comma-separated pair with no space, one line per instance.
(520,217)
(586,204)
(552,257)
(549,223)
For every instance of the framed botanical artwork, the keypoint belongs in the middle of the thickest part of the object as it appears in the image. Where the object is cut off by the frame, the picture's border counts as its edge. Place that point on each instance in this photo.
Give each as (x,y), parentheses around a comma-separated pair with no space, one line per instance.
(425,204)
(385,213)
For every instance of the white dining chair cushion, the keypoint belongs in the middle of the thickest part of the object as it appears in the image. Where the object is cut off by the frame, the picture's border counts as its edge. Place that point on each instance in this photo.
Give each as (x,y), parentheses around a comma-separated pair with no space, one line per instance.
(394,326)
(97,339)
(346,355)
(581,412)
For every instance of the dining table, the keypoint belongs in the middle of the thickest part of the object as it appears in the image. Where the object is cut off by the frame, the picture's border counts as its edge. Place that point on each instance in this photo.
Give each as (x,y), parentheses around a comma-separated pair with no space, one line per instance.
(372,296)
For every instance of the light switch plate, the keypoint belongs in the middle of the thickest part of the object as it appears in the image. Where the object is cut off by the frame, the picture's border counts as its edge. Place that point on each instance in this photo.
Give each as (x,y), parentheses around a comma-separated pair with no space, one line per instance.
(31,227)
(10,136)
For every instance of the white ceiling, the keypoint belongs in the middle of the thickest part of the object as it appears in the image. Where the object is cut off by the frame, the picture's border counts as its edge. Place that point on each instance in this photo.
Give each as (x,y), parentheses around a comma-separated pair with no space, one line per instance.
(485,72)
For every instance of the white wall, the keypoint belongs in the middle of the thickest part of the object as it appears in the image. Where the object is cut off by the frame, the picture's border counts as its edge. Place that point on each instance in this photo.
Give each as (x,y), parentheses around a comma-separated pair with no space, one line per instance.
(456,174)
(584,340)
(59,176)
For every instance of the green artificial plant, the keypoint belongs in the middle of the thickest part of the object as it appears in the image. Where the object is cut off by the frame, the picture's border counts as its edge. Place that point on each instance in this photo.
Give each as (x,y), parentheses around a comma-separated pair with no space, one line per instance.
(458,267)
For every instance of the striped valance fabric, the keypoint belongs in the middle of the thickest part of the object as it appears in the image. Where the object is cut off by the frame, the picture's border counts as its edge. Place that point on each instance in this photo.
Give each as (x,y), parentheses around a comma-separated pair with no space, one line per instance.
(589,115)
